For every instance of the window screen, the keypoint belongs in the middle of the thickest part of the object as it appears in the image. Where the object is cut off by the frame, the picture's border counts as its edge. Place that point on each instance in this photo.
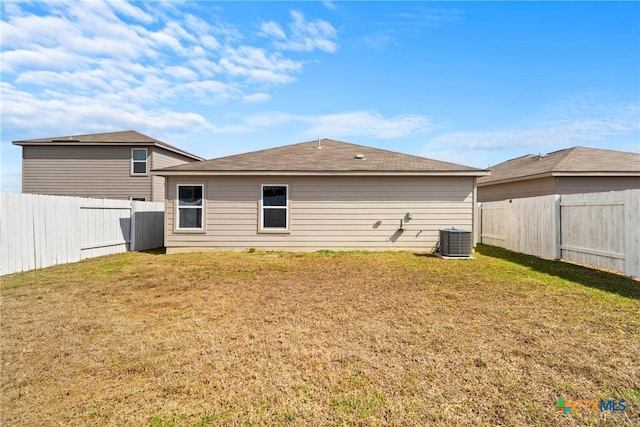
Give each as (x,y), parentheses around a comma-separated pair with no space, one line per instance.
(190,206)
(274,206)
(139,161)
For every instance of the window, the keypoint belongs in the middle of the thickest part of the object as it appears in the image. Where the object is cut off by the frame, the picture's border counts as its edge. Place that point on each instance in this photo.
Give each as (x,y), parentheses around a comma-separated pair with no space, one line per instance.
(139,161)
(275,207)
(190,207)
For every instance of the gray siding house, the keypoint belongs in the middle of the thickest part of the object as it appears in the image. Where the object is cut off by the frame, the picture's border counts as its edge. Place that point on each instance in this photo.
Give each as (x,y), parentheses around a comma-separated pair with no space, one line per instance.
(113,165)
(569,171)
(322,194)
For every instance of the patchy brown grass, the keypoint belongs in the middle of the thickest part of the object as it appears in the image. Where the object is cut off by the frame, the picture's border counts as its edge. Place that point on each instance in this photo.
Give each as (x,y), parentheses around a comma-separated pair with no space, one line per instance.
(317,339)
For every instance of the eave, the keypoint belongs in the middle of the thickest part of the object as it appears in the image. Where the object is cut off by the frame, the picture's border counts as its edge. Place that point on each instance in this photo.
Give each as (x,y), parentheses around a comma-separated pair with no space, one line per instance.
(161,172)
(560,174)
(106,144)
(602,173)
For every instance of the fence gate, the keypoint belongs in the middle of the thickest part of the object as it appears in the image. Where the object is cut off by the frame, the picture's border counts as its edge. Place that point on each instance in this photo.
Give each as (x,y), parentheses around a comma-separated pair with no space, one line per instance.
(593,229)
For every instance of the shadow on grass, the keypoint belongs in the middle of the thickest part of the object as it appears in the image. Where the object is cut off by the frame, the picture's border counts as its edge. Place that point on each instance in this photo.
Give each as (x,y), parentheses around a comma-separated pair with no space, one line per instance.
(426,255)
(593,278)
(154,251)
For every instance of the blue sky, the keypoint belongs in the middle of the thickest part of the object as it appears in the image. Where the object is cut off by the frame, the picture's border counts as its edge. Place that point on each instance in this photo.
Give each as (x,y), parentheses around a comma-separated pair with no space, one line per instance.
(474,83)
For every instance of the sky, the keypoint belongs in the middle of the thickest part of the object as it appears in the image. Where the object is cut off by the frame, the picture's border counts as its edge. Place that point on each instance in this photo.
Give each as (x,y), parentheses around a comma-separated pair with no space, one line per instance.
(474,83)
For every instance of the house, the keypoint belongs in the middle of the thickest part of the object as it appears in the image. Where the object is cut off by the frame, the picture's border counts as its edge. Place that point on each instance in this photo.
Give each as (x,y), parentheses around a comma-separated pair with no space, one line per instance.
(322,194)
(112,165)
(569,171)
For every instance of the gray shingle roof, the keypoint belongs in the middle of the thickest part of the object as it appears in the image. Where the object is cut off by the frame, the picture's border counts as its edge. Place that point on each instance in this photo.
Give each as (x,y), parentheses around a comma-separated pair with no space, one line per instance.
(322,156)
(127,137)
(575,160)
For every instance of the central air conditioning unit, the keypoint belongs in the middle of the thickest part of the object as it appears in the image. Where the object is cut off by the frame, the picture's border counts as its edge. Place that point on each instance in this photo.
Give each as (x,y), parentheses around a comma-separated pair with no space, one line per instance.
(456,242)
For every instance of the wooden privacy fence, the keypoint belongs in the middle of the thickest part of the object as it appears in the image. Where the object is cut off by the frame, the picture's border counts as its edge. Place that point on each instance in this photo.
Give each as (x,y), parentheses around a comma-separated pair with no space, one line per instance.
(601,229)
(39,231)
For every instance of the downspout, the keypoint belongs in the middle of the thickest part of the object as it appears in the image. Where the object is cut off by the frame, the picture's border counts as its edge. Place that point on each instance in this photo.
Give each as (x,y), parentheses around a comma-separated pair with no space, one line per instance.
(477,221)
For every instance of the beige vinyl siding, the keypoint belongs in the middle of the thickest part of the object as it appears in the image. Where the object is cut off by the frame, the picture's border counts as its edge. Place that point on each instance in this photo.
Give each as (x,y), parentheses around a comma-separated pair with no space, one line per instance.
(95,171)
(517,189)
(328,212)
(595,184)
(161,158)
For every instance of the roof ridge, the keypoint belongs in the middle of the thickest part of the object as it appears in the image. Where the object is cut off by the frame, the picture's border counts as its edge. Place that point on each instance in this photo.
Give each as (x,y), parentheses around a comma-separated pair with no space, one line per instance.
(511,160)
(564,158)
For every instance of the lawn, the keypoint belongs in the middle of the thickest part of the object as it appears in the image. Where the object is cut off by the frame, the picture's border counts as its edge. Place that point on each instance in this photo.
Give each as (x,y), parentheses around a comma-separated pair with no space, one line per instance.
(322,338)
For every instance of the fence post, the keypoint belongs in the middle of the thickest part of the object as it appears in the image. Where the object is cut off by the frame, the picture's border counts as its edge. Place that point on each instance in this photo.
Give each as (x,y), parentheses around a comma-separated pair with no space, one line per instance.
(477,227)
(632,233)
(132,227)
(556,241)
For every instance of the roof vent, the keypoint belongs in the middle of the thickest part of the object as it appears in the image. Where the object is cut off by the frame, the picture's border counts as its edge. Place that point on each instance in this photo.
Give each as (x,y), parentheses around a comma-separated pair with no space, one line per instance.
(359,157)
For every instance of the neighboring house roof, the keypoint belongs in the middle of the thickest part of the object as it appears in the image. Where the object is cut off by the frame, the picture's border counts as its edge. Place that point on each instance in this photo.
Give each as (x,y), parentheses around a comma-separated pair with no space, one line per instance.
(575,161)
(127,137)
(322,157)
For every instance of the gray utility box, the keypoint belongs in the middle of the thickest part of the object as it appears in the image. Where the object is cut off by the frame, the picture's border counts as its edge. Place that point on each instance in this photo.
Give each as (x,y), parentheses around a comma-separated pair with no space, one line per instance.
(456,242)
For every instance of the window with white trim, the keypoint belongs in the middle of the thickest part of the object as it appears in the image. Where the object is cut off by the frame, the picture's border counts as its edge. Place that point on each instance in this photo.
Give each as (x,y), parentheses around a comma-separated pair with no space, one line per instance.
(138,161)
(190,212)
(275,207)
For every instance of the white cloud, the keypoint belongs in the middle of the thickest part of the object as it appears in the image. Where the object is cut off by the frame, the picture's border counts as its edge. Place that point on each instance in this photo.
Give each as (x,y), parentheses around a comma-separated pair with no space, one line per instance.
(79,114)
(566,131)
(197,26)
(568,123)
(258,65)
(210,42)
(261,120)
(24,31)
(204,67)
(256,98)
(426,16)
(167,39)
(356,123)
(409,23)
(272,29)
(131,11)
(329,4)
(474,158)
(367,124)
(94,80)
(74,36)
(303,35)
(380,40)
(181,73)
(100,64)
(41,57)
(208,91)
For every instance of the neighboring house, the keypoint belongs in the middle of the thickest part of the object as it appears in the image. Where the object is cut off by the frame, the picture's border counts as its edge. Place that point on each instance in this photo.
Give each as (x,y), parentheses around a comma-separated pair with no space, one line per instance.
(111,165)
(322,194)
(569,171)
